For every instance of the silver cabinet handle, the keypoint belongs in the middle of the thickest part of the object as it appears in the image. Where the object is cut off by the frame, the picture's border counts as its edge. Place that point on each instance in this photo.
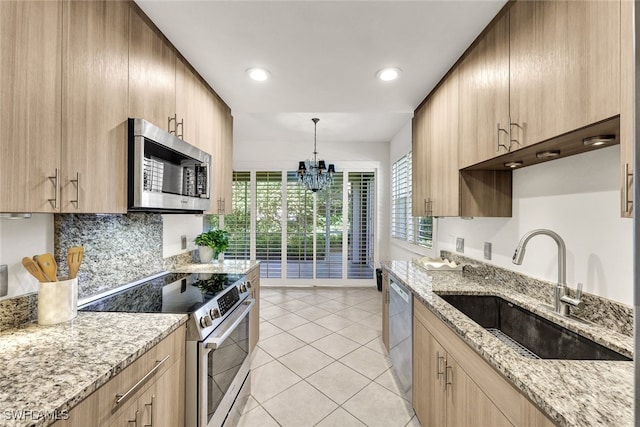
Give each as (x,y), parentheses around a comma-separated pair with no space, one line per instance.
(175,120)
(512,140)
(628,203)
(134,420)
(56,186)
(448,376)
(151,417)
(439,373)
(498,145)
(181,124)
(77,183)
(122,397)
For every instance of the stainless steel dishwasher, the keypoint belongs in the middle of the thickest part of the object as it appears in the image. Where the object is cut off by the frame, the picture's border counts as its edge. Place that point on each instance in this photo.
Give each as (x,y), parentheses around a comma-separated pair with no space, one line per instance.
(400,334)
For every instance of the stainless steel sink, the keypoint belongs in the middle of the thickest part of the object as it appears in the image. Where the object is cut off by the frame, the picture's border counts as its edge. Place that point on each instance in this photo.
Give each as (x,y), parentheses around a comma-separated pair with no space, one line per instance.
(529,334)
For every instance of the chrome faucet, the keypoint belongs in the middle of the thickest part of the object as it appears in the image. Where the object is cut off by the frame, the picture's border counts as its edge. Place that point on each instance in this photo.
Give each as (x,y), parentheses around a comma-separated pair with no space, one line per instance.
(561,299)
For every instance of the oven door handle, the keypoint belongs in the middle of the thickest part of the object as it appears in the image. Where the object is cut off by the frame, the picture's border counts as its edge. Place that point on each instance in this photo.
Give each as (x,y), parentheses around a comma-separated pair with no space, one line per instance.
(229,325)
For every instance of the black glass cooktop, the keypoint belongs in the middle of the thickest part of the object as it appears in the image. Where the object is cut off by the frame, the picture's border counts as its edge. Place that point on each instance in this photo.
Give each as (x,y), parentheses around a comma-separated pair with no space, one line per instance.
(172,293)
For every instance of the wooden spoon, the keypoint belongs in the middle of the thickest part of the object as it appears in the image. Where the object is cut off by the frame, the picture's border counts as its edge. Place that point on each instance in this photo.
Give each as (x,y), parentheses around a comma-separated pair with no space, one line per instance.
(33,268)
(74,259)
(48,265)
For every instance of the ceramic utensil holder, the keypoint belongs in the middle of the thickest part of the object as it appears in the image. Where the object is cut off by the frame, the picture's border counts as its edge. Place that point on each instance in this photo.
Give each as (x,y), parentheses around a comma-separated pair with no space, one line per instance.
(57,301)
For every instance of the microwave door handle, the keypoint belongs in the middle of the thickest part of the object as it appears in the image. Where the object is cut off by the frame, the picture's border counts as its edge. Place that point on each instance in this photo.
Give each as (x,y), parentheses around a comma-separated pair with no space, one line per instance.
(207,168)
(225,329)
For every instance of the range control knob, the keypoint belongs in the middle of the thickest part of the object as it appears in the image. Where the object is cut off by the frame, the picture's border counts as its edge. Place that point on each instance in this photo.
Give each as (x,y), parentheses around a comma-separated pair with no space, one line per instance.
(243,287)
(248,285)
(215,313)
(205,321)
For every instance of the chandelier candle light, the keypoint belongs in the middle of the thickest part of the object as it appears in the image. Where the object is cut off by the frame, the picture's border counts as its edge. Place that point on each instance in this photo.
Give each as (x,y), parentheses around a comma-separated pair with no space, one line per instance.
(313,174)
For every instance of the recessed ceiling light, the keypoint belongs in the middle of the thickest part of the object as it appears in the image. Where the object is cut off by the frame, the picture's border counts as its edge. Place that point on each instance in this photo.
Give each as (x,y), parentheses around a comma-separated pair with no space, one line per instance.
(513,165)
(258,74)
(599,140)
(388,74)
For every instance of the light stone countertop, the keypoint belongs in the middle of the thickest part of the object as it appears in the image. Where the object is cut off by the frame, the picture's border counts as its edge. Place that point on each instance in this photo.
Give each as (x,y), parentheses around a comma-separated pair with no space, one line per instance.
(226,266)
(570,392)
(50,369)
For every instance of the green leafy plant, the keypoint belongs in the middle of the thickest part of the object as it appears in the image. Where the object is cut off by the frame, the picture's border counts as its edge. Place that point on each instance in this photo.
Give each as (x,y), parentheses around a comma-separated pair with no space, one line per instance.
(216,239)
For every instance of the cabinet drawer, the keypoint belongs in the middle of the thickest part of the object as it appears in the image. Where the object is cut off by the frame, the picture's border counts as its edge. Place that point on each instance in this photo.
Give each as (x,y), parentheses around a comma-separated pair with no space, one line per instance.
(100,407)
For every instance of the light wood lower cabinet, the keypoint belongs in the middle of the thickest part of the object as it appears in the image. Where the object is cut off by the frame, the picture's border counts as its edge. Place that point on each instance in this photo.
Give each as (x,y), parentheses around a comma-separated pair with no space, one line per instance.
(385,309)
(454,386)
(158,400)
(253,276)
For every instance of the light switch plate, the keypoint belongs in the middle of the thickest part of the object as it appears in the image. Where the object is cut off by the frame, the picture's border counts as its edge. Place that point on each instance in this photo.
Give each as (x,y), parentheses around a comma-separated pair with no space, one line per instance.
(183,241)
(4,280)
(460,245)
(487,250)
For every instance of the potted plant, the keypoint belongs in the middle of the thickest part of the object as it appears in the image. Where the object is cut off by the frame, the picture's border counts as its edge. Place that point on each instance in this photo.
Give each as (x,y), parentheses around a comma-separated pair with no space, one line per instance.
(211,244)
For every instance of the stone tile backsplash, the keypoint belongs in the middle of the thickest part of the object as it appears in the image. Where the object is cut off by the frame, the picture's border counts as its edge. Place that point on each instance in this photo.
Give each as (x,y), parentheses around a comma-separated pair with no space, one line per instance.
(119,249)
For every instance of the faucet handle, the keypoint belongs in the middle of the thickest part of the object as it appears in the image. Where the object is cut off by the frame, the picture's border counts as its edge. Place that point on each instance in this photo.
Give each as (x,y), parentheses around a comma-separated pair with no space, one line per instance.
(579,291)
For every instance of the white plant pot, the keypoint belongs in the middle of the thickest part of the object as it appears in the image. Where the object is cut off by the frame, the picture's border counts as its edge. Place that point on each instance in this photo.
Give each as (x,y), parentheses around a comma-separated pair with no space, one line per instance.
(206,254)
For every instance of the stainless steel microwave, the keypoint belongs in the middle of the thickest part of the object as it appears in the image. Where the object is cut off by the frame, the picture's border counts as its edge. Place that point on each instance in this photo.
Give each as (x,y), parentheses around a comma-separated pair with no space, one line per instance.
(166,174)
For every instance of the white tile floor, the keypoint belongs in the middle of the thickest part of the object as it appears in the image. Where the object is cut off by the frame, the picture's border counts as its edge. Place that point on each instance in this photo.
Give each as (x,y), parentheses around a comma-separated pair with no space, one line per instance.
(320,362)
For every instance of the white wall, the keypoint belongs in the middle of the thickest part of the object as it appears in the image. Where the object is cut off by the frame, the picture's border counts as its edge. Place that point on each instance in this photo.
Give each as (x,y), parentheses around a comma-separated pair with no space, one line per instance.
(24,238)
(352,156)
(578,197)
(175,226)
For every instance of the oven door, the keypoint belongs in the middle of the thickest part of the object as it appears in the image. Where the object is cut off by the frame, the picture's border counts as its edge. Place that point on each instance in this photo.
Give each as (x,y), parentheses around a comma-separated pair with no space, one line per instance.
(223,366)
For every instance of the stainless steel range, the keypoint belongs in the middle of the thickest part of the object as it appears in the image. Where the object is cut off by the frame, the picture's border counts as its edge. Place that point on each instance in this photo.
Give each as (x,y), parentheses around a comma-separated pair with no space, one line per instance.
(217,347)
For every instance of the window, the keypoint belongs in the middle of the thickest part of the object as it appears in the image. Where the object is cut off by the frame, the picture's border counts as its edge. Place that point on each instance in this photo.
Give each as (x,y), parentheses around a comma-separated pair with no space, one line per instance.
(269,223)
(299,230)
(238,224)
(329,233)
(361,187)
(416,230)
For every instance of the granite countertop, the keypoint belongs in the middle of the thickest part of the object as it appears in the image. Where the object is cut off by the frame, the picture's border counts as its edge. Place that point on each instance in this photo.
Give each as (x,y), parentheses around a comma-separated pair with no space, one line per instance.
(226,266)
(570,392)
(46,370)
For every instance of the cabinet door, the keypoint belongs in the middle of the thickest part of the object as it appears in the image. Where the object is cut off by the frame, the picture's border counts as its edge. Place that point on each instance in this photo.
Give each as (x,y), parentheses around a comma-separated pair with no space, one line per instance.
(152,73)
(385,309)
(484,96)
(564,73)
(442,164)
(94,126)
(160,405)
(627,119)
(30,104)
(226,157)
(466,403)
(420,182)
(428,373)
(192,108)
(254,278)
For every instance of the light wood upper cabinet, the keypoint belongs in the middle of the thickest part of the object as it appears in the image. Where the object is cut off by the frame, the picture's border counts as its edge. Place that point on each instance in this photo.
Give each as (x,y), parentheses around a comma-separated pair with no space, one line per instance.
(30,105)
(224,163)
(94,107)
(627,99)
(565,66)
(194,109)
(443,161)
(420,176)
(484,96)
(152,74)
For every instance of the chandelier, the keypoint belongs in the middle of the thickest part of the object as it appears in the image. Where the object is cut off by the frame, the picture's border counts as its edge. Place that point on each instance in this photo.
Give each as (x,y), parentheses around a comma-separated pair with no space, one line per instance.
(313,174)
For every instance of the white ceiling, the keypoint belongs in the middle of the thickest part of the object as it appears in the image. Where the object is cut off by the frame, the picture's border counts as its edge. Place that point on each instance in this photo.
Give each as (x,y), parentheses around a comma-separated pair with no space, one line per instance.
(323,56)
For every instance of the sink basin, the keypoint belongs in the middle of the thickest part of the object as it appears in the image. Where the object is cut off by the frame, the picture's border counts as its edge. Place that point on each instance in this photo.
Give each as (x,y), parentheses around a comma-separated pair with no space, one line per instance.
(526,332)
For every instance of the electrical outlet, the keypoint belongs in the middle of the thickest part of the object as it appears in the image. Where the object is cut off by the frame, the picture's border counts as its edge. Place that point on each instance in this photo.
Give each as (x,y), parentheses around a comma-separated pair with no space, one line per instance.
(183,241)
(487,250)
(460,245)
